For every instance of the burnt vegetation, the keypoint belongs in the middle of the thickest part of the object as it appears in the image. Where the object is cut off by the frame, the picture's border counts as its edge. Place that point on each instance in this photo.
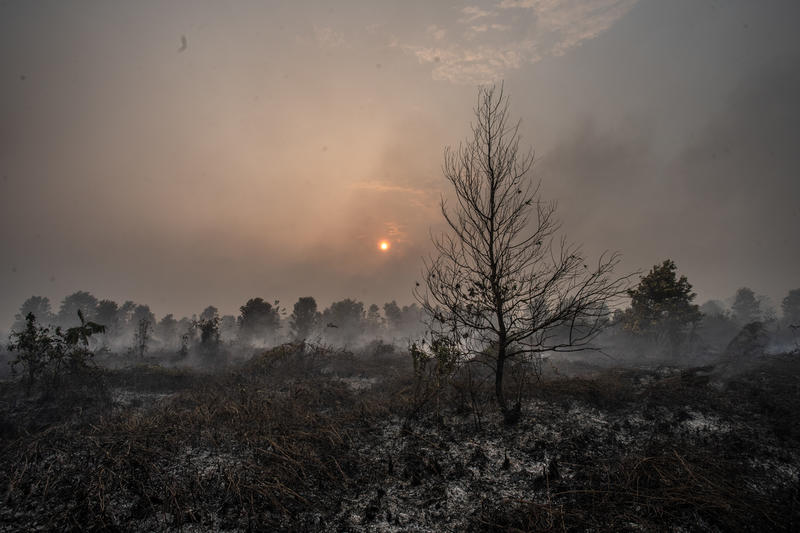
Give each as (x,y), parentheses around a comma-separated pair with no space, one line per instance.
(528,389)
(305,437)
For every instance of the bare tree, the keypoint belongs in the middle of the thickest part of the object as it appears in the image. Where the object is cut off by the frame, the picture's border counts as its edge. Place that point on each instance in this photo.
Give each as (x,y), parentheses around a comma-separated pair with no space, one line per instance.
(502,285)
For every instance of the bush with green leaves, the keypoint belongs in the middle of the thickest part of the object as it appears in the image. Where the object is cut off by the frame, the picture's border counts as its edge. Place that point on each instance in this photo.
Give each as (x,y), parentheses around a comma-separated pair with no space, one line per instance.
(46,356)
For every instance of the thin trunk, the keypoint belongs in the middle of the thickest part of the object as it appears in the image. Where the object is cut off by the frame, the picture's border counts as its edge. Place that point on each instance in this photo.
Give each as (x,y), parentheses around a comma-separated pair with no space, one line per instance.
(498,377)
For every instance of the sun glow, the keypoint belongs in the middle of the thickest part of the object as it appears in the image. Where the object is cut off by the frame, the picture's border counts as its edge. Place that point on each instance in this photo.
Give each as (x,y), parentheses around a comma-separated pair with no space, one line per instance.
(383,245)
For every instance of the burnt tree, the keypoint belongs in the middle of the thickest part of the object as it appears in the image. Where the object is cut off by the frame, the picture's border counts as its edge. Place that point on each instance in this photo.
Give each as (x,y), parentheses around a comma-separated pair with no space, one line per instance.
(502,286)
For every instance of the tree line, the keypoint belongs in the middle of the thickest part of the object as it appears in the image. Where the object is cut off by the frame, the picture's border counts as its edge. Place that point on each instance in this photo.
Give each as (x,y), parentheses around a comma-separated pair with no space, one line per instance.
(133,327)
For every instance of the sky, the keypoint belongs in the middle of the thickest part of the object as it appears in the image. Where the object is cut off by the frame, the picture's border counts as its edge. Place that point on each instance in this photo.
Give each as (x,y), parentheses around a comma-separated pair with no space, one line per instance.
(184,154)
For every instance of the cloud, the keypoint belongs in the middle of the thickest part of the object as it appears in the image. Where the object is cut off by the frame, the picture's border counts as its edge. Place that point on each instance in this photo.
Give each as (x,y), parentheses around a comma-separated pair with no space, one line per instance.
(398,233)
(486,44)
(328,37)
(473,13)
(574,21)
(475,65)
(418,197)
(436,32)
(525,4)
(381,186)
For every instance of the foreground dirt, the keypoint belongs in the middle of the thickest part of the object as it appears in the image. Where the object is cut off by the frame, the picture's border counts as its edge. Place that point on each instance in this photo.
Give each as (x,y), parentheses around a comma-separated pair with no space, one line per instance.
(300,441)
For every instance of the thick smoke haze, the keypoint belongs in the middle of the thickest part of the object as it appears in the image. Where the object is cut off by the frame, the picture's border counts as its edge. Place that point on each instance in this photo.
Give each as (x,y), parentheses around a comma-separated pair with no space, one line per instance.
(199,153)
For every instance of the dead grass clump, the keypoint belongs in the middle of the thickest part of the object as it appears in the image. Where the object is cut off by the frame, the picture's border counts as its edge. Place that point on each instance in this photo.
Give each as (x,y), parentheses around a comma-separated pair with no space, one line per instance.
(281,358)
(83,396)
(772,391)
(610,390)
(151,378)
(656,491)
(296,360)
(686,388)
(668,487)
(512,516)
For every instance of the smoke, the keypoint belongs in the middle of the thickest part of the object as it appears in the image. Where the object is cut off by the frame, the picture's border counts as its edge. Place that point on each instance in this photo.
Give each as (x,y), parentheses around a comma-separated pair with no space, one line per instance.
(723,204)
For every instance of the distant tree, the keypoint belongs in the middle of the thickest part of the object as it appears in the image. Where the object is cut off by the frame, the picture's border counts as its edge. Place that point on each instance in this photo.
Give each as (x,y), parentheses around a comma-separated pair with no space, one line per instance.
(406,321)
(304,318)
(39,306)
(167,330)
(186,331)
(375,321)
(661,307)
(81,301)
(746,308)
(258,319)
(790,306)
(346,313)
(500,280)
(345,321)
(716,328)
(185,324)
(124,315)
(768,312)
(108,315)
(712,308)
(228,328)
(143,321)
(374,314)
(209,331)
(748,343)
(412,317)
(209,313)
(208,326)
(142,312)
(394,315)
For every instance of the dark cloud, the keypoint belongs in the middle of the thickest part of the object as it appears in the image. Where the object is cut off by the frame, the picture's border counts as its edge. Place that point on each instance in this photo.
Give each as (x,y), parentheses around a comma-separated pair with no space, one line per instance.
(748,154)
(594,170)
(739,183)
(603,181)
(725,206)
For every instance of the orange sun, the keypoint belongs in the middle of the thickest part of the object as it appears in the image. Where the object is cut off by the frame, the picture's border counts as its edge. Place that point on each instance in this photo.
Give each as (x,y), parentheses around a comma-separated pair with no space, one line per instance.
(383,245)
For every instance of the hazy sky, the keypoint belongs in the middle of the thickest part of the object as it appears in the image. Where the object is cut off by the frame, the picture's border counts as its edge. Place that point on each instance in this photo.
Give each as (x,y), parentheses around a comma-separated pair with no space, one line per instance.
(269,155)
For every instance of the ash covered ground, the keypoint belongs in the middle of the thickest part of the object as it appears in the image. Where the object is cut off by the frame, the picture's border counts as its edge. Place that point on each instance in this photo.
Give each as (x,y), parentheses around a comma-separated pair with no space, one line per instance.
(301,438)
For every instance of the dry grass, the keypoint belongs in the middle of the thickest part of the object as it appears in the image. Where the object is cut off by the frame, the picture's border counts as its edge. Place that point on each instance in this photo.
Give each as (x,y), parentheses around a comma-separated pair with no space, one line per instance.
(231,451)
(291,440)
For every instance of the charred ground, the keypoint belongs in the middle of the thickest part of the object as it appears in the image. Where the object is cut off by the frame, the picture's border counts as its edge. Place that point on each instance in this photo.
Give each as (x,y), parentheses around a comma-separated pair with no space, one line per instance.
(303,438)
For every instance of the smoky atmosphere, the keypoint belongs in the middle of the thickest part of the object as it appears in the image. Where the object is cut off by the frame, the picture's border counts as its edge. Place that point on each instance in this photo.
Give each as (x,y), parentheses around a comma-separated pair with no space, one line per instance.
(503,265)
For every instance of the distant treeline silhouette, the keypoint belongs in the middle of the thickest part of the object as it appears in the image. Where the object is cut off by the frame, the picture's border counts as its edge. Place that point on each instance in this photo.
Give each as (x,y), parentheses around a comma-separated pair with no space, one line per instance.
(133,327)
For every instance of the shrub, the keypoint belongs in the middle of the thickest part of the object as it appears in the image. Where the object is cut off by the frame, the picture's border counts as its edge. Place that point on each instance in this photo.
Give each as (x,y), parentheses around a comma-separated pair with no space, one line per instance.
(46,356)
